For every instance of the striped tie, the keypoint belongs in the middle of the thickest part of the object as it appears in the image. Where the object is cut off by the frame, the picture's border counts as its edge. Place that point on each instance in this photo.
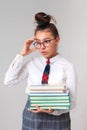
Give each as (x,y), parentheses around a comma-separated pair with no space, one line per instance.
(46,72)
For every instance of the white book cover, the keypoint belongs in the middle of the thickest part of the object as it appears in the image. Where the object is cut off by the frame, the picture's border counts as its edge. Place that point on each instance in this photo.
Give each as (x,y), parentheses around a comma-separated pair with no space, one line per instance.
(47,88)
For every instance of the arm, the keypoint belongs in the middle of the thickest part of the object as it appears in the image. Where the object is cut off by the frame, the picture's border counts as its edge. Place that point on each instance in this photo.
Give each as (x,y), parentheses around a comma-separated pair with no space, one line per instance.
(18,68)
(71,84)
(16,72)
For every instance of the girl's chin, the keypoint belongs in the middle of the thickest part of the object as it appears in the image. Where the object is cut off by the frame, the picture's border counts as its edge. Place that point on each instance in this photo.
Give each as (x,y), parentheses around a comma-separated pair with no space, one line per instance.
(47,57)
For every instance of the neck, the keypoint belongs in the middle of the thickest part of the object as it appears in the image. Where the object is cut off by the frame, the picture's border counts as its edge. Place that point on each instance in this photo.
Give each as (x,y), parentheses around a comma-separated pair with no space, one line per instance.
(53,55)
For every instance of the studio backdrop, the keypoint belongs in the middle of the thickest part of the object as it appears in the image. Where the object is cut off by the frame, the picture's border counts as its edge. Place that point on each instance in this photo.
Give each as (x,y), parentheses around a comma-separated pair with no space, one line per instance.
(17,25)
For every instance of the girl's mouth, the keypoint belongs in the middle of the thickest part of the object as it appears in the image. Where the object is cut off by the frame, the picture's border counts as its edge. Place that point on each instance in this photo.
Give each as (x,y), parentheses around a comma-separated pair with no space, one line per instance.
(44,52)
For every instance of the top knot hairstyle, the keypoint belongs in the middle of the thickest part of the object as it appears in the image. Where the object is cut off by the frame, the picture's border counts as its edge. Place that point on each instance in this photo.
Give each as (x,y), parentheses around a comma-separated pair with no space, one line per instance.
(43,21)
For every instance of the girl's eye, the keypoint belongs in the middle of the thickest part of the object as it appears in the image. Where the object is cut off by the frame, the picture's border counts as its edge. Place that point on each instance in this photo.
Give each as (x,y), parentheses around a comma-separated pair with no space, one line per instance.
(47,41)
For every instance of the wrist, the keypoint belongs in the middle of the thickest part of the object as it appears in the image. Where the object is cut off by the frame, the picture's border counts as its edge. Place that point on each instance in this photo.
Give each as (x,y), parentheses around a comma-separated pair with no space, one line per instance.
(22,54)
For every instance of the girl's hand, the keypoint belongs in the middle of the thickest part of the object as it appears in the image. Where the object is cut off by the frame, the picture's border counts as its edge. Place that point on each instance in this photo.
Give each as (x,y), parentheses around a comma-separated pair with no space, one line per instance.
(26,49)
(39,110)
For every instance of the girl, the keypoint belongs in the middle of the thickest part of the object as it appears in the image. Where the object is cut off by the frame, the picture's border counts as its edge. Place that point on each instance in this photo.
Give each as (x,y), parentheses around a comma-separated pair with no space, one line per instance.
(46,39)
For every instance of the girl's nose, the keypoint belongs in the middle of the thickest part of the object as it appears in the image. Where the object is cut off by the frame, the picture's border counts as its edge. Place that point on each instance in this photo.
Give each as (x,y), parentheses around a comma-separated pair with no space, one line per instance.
(42,46)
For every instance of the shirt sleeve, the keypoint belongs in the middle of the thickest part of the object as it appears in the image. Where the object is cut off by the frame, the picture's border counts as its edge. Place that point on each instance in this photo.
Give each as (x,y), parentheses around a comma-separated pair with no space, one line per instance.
(16,72)
(71,83)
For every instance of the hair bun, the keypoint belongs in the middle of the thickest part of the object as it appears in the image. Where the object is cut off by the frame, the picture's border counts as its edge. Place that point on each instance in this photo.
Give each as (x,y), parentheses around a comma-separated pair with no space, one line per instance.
(42,19)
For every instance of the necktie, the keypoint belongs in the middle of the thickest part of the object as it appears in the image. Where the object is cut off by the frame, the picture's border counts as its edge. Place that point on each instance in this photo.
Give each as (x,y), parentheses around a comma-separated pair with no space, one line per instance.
(46,72)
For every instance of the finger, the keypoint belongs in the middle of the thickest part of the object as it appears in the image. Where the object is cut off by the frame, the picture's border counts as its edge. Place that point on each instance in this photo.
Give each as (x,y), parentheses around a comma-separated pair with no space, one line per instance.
(33,49)
(37,107)
(50,110)
(30,40)
(35,111)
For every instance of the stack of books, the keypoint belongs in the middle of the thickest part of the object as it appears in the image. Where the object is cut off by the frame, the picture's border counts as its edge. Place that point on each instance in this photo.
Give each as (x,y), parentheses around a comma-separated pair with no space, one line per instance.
(49,96)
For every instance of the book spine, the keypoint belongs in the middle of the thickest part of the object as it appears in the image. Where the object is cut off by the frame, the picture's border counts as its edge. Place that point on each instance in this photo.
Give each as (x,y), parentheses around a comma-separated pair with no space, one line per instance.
(53,107)
(48,94)
(48,101)
(35,88)
(49,91)
(49,98)
(51,104)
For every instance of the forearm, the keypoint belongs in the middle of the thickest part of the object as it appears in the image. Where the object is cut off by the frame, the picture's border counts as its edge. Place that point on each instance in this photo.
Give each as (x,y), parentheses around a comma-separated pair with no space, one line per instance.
(16,71)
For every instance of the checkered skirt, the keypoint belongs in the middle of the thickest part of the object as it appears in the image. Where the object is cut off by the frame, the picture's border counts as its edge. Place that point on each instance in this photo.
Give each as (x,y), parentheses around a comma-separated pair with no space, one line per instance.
(44,121)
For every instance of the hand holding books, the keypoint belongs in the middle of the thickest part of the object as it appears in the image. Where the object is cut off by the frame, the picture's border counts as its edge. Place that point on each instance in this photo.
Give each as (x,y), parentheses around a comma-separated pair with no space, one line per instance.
(39,110)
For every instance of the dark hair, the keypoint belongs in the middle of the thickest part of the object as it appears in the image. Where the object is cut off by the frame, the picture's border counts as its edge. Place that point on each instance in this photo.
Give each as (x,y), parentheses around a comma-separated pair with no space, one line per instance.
(44,23)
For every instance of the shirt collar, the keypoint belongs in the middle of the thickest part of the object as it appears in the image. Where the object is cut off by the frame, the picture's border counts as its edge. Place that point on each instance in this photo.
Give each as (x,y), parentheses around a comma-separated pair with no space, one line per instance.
(52,60)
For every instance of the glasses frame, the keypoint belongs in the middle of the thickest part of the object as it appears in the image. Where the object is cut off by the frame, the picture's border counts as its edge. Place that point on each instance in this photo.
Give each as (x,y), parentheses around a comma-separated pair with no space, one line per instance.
(43,43)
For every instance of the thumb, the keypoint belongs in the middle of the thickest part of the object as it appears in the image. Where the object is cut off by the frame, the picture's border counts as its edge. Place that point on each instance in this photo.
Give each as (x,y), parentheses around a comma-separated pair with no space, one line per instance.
(32,49)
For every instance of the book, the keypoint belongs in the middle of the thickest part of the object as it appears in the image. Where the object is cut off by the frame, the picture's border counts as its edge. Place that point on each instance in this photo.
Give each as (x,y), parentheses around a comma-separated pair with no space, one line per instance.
(49,98)
(53,107)
(52,104)
(48,94)
(49,101)
(47,88)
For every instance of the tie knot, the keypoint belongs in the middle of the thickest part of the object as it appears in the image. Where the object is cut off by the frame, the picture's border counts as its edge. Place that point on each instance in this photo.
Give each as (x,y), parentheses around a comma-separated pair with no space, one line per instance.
(48,61)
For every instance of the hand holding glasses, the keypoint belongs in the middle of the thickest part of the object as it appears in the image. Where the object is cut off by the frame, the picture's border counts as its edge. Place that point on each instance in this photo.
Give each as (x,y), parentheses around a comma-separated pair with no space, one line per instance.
(37,45)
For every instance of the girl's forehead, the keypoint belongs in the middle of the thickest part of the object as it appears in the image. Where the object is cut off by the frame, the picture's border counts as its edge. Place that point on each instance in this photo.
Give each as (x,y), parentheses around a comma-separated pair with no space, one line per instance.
(44,34)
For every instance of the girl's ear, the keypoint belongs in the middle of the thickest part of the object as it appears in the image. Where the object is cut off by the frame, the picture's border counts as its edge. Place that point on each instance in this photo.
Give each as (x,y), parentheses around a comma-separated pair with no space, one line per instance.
(57,40)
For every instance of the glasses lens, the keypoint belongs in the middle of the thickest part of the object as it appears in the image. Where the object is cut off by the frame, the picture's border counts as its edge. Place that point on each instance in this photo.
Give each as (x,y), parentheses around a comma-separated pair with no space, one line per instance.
(37,44)
(47,42)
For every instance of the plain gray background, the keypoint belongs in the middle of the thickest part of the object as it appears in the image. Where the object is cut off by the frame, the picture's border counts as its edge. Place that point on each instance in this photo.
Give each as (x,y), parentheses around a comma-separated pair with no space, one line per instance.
(16,25)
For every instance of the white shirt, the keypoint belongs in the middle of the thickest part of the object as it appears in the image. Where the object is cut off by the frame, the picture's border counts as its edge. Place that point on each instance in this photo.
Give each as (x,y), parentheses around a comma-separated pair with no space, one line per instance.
(61,72)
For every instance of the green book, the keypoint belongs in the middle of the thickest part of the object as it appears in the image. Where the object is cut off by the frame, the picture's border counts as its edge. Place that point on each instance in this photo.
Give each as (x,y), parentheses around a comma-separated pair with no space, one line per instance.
(49,98)
(49,101)
(53,107)
(48,94)
(52,104)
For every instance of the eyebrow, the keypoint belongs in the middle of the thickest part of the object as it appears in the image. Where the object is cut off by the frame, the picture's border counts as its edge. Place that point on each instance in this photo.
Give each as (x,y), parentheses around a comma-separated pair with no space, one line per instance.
(43,39)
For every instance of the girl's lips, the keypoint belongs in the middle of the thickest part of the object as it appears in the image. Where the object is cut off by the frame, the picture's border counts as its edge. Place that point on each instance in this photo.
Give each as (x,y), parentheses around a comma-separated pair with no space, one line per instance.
(44,52)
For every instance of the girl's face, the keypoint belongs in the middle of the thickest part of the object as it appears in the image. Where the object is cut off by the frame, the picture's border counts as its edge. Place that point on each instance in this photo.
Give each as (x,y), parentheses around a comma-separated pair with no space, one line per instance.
(48,44)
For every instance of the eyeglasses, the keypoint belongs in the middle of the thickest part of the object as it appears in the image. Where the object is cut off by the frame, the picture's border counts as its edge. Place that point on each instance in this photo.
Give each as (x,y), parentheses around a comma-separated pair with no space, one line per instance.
(45,43)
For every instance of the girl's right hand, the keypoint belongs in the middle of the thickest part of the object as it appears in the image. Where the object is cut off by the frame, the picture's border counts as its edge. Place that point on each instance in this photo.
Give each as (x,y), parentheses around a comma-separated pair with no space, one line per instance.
(26,49)
(40,110)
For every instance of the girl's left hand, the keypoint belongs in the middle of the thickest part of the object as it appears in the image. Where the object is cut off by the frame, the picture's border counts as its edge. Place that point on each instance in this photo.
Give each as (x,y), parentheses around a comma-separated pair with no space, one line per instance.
(39,110)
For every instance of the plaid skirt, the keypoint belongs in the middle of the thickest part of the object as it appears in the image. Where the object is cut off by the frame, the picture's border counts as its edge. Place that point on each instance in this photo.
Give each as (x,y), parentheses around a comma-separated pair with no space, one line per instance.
(44,121)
